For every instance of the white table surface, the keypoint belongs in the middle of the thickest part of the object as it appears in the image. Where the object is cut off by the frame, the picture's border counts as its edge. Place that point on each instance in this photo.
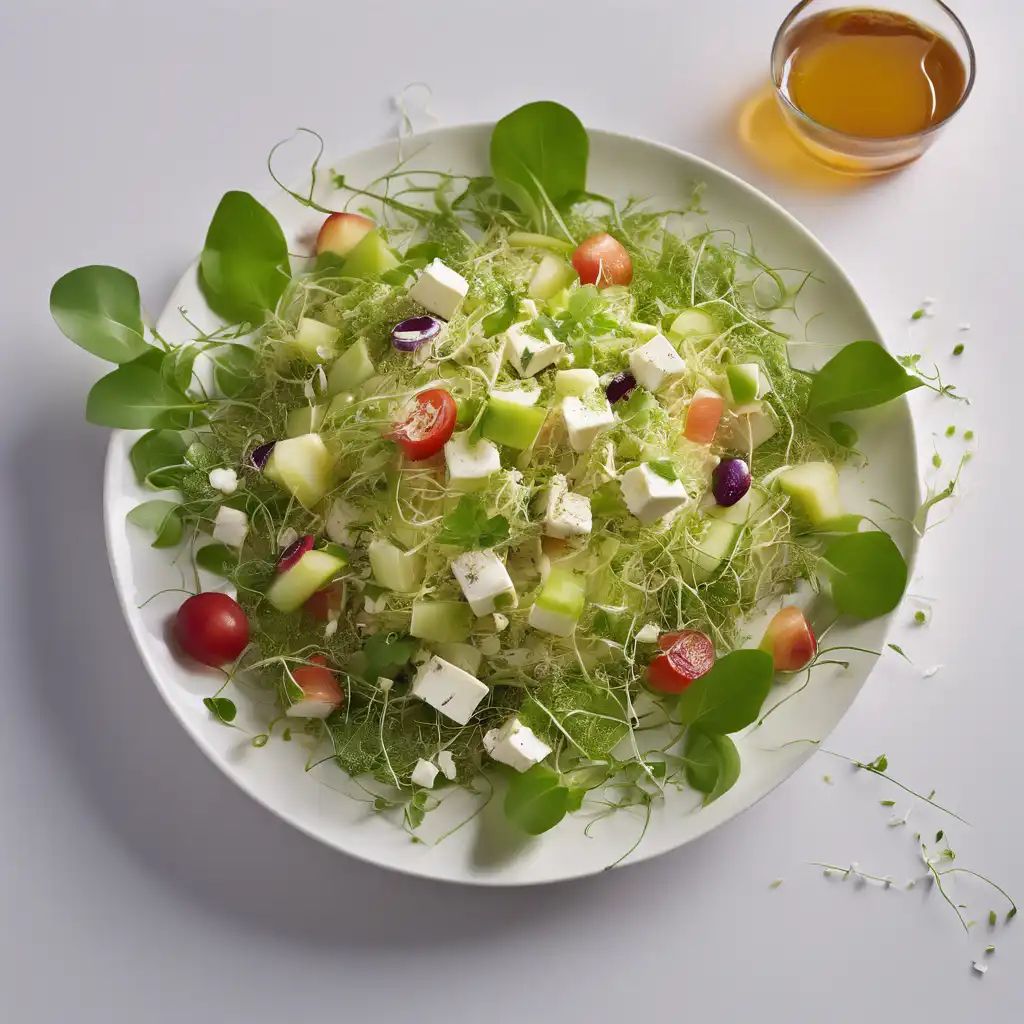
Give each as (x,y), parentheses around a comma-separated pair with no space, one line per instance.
(138,885)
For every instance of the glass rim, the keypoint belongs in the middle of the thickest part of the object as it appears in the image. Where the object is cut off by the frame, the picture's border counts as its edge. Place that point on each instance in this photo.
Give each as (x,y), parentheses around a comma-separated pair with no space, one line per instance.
(792,108)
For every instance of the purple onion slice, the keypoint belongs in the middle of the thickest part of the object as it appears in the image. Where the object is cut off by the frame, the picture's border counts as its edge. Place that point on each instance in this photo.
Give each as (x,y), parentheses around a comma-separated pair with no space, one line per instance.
(258,456)
(620,386)
(730,481)
(291,554)
(410,334)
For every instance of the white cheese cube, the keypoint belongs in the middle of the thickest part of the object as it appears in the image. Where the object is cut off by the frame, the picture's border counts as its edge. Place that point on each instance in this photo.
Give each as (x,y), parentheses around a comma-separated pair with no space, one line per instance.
(447,764)
(340,517)
(230,526)
(485,581)
(440,290)
(530,355)
(566,514)
(516,745)
(424,774)
(448,689)
(555,623)
(649,496)
(656,363)
(470,466)
(585,421)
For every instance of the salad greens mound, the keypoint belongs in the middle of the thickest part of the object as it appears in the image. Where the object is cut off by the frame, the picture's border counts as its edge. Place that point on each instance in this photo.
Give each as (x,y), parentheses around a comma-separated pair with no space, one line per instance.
(498,475)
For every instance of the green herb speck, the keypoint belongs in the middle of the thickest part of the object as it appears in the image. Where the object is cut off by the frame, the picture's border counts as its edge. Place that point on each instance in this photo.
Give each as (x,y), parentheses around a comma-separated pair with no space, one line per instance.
(958,349)
(917,314)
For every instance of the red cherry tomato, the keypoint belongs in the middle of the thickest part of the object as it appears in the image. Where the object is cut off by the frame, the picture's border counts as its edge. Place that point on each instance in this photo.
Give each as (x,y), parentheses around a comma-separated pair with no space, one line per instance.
(687,656)
(426,430)
(212,628)
(602,260)
(317,682)
(790,640)
(325,604)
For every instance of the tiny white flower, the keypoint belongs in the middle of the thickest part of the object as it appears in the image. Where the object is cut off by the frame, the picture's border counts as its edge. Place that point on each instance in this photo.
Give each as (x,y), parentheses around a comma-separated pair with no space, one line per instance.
(384,683)
(330,629)
(224,480)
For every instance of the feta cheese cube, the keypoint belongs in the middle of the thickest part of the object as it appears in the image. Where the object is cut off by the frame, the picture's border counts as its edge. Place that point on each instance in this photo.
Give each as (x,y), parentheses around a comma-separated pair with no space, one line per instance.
(530,355)
(585,421)
(485,581)
(649,496)
(553,622)
(446,688)
(516,745)
(230,526)
(447,764)
(566,514)
(440,290)
(470,466)
(339,519)
(424,774)
(656,363)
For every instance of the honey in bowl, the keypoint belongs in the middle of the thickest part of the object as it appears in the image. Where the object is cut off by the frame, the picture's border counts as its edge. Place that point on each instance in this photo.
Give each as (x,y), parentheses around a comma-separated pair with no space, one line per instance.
(871,73)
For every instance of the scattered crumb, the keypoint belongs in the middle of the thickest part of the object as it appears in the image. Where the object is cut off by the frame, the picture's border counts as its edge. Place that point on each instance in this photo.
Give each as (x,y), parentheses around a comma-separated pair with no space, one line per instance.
(964,327)
(990,949)
(775,884)
(929,672)
(827,779)
(980,967)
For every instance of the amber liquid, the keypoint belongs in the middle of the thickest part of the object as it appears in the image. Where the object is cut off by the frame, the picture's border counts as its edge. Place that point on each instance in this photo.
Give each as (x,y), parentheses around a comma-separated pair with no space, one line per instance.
(872,73)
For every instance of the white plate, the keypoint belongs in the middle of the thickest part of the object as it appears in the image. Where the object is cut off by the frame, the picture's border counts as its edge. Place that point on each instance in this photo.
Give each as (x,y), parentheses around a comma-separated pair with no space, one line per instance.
(486,851)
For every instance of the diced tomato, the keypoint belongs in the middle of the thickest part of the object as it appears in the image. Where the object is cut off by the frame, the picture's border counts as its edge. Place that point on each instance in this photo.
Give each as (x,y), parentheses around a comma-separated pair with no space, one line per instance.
(790,640)
(318,683)
(428,427)
(325,604)
(686,656)
(703,416)
(602,260)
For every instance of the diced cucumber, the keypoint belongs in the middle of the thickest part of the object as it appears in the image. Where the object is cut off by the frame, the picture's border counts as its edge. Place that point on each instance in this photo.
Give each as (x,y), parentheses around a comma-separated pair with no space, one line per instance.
(306,420)
(397,570)
(694,321)
(814,488)
(511,423)
(575,383)
(312,572)
(370,258)
(744,383)
(563,593)
(441,621)
(464,656)
(708,553)
(645,332)
(743,511)
(303,466)
(313,338)
(550,277)
(352,368)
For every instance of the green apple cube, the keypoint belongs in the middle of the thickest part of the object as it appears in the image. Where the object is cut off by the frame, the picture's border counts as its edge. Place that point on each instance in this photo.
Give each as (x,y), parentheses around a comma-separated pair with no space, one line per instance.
(744,380)
(708,553)
(511,423)
(694,321)
(370,258)
(292,588)
(306,420)
(814,488)
(559,604)
(352,368)
(303,466)
(550,277)
(446,622)
(316,342)
(395,569)
(743,511)
(575,383)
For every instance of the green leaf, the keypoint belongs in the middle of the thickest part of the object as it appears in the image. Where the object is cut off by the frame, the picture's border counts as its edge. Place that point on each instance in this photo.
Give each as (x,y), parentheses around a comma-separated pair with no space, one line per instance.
(218,559)
(539,155)
(201,457)
(536,800)
(98,308)
(386,652)
(232,369)
(161,517)
(136,397)
(860,376)
(154,453)
(176,367)
(469,527)
(867,572)
(664,468)
(501,319)
(713,763)
(842,433)
(221,708)
(244,266)
(730,695)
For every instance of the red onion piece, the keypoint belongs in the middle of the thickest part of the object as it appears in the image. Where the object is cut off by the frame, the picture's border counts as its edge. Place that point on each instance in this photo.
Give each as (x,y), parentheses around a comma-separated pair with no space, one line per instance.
(258,456)
(620,386)
(291,554)
(730,481)
(410,334)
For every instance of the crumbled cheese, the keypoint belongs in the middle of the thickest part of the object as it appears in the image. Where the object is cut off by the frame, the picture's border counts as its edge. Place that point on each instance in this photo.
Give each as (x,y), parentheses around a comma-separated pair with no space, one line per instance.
(230,526)
(424,774)
(447,764)
(224,480)
(648,634)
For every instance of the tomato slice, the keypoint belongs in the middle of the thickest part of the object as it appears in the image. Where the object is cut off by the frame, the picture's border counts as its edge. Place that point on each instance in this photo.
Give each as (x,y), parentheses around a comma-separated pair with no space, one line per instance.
(428,427)
(687,656)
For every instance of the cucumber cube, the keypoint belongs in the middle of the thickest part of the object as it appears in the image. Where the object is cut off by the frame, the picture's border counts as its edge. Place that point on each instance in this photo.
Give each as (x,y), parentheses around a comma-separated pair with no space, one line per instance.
(511,423)
(303,466)
(575,383)
(312,572)
(744,383)
(352,368)
(559,604)
(550,277)
(742,512)
(446,622)
(708,553)
(395,569)
(696,322)
(306,420)
(814,488)
(464,656)
(316,342)
(370,258)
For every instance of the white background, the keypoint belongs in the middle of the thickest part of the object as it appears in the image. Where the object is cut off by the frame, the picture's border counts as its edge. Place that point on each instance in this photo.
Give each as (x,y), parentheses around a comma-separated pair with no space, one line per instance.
(137,885)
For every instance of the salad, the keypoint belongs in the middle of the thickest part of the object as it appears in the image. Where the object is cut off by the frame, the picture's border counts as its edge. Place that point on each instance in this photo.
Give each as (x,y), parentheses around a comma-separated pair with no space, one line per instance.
(496,478)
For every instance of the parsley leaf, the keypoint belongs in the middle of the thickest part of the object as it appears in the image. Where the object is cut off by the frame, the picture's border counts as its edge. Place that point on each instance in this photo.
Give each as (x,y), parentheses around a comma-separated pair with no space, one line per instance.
(469,527)
(386,652)
(664,469)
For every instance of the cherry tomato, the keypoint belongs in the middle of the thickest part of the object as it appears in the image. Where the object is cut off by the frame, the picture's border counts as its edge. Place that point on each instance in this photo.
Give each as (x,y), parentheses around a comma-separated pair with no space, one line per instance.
(426,430)
(790,640)
(703,416)
(317,682)
(602,260)
(687,656)
(212,628)
(325,604)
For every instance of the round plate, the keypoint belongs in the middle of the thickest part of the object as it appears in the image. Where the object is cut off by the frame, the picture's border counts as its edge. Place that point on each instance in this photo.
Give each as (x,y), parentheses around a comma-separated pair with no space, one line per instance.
(324,803)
